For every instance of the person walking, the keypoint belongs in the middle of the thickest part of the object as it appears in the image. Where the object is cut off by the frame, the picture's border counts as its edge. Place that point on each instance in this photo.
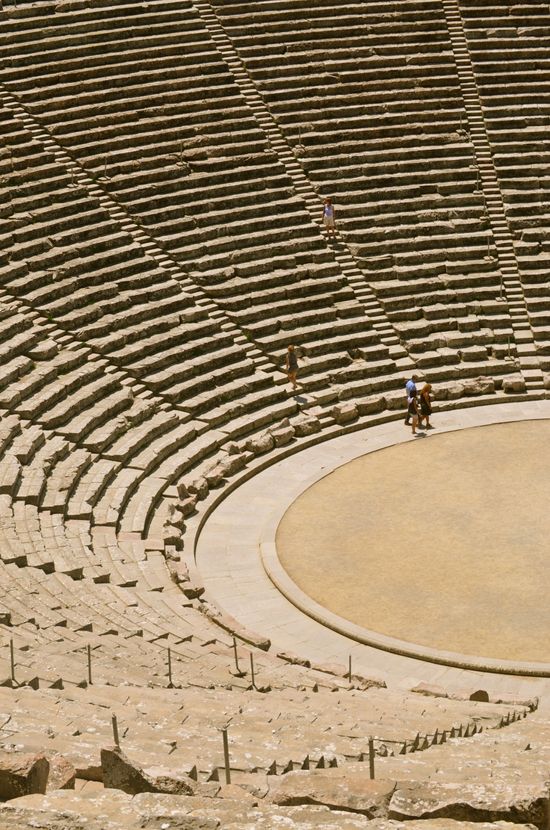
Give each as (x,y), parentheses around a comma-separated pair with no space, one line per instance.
(410,389)
(291,365)
(412,410)
(426,404)
(329,218)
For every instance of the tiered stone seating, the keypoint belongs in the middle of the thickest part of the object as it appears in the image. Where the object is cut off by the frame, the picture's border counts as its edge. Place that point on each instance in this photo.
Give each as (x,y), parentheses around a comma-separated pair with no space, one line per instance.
(73,263)
(128,390)
(371,102)
(269,732)
(180,150)
(508,44)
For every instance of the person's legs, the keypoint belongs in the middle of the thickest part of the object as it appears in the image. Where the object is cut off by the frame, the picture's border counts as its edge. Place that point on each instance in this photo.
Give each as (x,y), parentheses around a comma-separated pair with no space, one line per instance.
(414,424)
(292,379)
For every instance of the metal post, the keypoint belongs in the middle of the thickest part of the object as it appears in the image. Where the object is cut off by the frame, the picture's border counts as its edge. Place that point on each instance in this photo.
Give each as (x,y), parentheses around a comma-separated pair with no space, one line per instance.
(89,650)
(371,759)
(115,730)
(12,661)
(349,668)
(226,756)
(169,669)
(237,669)
(252,670)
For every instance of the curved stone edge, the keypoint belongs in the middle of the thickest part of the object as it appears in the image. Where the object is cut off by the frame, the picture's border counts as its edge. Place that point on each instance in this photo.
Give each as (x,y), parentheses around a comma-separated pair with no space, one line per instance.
(303,603)
(289,589)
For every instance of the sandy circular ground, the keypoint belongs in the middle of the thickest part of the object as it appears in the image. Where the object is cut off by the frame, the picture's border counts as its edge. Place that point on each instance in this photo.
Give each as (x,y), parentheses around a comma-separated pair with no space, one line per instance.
(442,542)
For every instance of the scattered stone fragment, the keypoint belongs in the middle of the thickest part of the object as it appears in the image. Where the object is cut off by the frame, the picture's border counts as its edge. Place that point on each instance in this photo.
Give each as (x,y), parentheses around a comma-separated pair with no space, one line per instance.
(345,413)
(336,788)
(306,425)
(232,464)
(260,443)
(282,435)
(524,803)
(199,487)
(513,384)
(121,774)
(371,405)
(22,774)
(186,506)
(62,773)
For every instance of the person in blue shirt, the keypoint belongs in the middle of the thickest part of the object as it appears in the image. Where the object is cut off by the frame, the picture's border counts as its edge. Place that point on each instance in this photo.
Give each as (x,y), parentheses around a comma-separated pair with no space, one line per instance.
(410,388)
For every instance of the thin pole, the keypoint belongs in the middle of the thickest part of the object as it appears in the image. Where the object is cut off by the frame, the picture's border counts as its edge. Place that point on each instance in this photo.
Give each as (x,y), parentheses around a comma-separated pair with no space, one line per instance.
(89,650)
(371,759)
(252,670)
(349,668)
(12,661)
(169,668)
(237,669)
(226,756)
(115,730)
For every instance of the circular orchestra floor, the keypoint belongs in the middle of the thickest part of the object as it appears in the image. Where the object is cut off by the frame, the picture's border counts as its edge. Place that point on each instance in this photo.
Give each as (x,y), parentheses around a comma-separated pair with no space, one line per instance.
(443,543)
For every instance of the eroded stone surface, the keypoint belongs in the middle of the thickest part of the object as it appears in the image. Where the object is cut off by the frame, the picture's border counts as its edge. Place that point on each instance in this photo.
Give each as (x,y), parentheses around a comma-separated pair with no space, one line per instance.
(120,773)
(339,789)
(22,774)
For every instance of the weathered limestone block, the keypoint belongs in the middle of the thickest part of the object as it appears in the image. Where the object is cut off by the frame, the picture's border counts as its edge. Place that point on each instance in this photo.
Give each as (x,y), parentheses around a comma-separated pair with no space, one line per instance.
(236,793)
(192,590)
(120,773)
(396,400)
(214,477)
(448,391)
(232,464)
(368,406)
(199,487)
(345,413)
(62,773)
(171,535)
(232,448)
(282,435)
(288,657)
(22,774)
(513,384)
(306,425)
(338,788)
(183,491)
(497,800)
(186,506)
(479,386)
(260,444)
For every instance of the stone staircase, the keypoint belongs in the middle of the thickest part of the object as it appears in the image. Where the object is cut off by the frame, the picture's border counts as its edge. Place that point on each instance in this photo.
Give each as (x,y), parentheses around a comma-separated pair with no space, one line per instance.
(302,186)
(504,243)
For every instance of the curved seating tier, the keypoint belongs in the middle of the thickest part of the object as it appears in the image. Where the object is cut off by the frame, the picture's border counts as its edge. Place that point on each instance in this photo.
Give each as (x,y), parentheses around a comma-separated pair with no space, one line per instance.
(173,141)
(157,257)
(376,120)
(177,727)
(508,44)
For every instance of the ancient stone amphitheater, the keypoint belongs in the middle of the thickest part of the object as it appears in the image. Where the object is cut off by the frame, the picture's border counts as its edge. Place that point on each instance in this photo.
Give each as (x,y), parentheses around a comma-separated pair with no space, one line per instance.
(162,168)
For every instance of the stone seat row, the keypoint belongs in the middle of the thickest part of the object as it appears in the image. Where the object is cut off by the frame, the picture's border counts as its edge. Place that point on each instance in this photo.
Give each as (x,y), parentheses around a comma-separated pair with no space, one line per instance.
(262,727)
(266,240)
(179,327)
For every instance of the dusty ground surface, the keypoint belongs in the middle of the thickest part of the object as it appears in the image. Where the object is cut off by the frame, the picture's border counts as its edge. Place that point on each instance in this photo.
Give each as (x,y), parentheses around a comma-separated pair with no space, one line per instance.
(442,542)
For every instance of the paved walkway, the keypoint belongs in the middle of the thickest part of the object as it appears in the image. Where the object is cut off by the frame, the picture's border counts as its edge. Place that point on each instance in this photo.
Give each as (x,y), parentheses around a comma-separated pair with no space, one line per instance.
(229,555)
